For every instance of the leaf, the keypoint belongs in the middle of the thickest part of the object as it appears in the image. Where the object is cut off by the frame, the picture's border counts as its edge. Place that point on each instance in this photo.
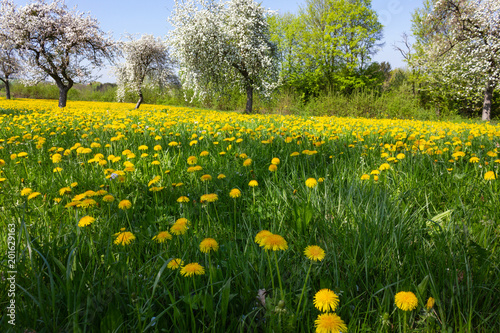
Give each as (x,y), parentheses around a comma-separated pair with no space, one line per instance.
(112,320)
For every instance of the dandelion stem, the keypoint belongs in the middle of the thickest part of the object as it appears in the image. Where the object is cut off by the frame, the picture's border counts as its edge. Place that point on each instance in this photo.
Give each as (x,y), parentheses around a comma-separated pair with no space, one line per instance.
(279,276)
(270,269)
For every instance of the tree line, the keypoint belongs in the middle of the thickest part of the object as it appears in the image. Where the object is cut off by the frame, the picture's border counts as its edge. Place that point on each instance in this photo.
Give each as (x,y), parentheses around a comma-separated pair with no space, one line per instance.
(218,46)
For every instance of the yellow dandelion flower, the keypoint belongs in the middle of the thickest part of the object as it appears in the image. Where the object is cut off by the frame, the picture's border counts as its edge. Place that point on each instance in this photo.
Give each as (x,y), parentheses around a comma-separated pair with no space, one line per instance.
(108,198)
(192,160)
(311,183)
(329,323)
(261,235)
(273,167)
(474,159)
(204,153)
(124,204)
(85,221)
(406,300)
(490,175)
(209,244)
(375,172)
(162,237)
(314,252)
(365,177)
(212,197)
(400,156)
(22,154)
(221,176)
(295,153)
(175,263)
(247,162)
(157,147)
(430,303)
(56,158)
(33,195)
(178,229)
(235,193)
(192,269)
(253,183)
(205,178)
(326,300)
(58,169)
(124,237)
(173,144)
(26,191)
(87,203)
(275,161)
(384,166)
(143,147)
(274,243)
(183,199)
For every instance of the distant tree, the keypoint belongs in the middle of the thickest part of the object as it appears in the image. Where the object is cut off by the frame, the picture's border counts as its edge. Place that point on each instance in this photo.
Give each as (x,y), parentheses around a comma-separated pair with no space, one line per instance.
(458,44)
(56,42)
(9,63)
(146,60)
(219,45)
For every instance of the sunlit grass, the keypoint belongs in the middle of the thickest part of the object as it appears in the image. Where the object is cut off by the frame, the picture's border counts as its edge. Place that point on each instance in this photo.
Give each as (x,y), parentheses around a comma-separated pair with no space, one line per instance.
(124,196)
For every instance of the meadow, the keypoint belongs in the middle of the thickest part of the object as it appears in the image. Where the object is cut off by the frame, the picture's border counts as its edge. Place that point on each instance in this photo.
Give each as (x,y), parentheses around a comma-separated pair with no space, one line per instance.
(177,219)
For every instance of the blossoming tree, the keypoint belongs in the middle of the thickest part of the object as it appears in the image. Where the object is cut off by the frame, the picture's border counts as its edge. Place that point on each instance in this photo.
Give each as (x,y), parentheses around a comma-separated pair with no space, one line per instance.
(9,63)
(147,60)
(460,44)
(56,42)
(224,44)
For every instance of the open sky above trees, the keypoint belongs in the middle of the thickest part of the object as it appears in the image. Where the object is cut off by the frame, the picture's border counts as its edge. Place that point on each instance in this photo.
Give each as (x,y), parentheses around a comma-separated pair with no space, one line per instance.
(150,17)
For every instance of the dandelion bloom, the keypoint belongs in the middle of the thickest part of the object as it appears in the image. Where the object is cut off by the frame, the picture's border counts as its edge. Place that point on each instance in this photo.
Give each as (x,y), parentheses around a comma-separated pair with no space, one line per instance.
(326,300)
(175,263)
(33,195)
(490,175)
(253,183)
(406,300)
(56,158)
(192,160)
(87,203)
(474,159)
(273,167)
(384,166)
(235,193)
(400,156)
(247,162)
(275,161)
(261,235)
(314,252)
(85,221)
(22,154)
(108,198)
(178,229)
(125,204)
(157,147)
(204,153)
(26,191)
(209,244)
(375,172)
(221,176)
(329,323)
(192,269)
(162,237)
(205,178)
(212,197)
(311,183)
(274,242)
(183,199)
(365,177)
(123,237)
(430,303)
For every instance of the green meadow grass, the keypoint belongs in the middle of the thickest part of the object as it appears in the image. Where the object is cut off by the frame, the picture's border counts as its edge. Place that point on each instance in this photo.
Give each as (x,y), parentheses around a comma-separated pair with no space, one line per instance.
(429,224)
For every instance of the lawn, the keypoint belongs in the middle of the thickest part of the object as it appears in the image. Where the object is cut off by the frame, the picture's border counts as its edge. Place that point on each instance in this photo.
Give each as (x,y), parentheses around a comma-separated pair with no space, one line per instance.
(175,219)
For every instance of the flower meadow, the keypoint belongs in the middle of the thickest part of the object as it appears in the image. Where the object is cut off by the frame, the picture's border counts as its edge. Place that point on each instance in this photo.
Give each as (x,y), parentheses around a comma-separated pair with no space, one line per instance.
(175,219)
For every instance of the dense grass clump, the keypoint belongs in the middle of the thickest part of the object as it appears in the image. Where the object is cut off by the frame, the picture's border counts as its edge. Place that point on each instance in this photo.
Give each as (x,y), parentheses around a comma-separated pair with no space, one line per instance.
(154,220)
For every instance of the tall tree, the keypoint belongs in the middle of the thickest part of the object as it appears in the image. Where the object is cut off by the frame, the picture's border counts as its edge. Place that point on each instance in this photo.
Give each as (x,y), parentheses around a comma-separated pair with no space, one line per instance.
(56,42)
(147,60)
(9,63)
(459,43)
(224,44)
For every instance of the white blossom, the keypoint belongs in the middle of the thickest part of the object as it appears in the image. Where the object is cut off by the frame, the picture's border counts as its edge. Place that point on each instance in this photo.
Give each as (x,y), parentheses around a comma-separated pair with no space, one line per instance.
(224,44)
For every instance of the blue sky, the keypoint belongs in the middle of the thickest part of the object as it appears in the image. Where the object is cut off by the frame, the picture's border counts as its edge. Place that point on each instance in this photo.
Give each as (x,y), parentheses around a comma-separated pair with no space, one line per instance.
(150,16)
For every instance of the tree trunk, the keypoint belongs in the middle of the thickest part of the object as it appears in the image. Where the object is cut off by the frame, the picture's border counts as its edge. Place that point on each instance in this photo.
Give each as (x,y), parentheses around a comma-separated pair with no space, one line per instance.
(141,98)
(7,88)
(63,96)
(488,97)
(248,108)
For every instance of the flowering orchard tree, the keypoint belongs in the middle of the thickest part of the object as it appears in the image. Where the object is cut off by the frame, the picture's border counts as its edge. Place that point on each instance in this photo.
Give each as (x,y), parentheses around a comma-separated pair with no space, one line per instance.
(56,42)
(224,44)
(147,60)
(461,39)
(9,63)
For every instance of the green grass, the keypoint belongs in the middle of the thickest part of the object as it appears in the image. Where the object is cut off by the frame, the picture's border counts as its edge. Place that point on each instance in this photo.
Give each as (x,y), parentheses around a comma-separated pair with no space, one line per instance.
(421,227)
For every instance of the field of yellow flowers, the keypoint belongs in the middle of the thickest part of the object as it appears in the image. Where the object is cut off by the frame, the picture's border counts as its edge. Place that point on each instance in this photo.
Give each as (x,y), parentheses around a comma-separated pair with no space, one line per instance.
(175,219)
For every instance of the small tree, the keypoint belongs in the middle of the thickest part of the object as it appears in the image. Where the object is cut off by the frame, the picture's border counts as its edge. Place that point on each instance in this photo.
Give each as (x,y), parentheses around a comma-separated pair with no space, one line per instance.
(224,44)
(9,64)
(459,43)
(146,60)
(56,42)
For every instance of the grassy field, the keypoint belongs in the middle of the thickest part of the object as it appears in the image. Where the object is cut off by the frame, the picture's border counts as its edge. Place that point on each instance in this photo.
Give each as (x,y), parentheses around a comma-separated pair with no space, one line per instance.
(173,219)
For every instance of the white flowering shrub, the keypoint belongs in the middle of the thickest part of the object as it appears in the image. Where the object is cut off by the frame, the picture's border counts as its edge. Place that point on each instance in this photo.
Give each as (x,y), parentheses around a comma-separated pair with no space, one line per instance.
(56,42)
(147,63)
(462,47)
(224,44)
